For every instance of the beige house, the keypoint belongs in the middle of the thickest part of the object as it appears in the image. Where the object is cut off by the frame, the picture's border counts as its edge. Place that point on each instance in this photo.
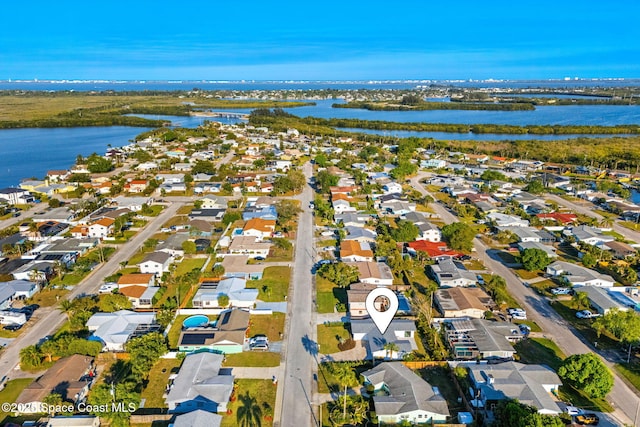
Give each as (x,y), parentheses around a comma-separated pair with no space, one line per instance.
(463,302)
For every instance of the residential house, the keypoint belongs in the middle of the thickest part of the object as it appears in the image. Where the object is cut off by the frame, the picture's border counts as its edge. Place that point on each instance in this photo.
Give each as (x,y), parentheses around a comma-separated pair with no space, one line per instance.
(70,377)
(450,274)
(173,244)
(602,300)
(16,290)
(620,250)
(134,204)
(435,250)
(101,229)
(463,302)
(138,288)
(433,163)
(115,329)
(589,235)
(236,266)
(524,234)
(427,230)
(34,270)
(392,187)
(352,219)
(401,332)
(401,396)
(259,228)
(503,220)
(234,287)
(341,206)
(156,263)
(210,215)
(577,275)
(373,273)
(354,251)
(170,178)
(357,298)
(533,385)
(397,207)
(213,202)
(201,384)
(136,186)
(478,338)
(197,418)
(227,337)
(560,217)
(266,212)
(16,196)
(360,234)
(549,250)
(248,245)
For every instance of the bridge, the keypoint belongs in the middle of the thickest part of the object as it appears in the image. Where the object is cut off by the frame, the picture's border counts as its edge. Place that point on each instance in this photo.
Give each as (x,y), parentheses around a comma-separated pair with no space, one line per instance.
(225,114)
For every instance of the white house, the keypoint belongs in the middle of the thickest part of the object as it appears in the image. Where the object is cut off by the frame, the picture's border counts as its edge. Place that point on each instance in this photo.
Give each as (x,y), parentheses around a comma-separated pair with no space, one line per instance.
(576,275)
(101,228)
(235,288)
(392,187)
(156,263)
(341,206)
(115,329)
(404,396)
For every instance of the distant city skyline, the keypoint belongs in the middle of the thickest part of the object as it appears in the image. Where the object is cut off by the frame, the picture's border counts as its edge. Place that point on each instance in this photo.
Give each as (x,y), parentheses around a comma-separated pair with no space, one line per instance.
(328,40)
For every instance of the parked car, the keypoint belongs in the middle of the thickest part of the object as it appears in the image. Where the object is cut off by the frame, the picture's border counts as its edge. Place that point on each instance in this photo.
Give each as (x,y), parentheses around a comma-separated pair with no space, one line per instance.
(560,291)
(588,419)
(586,314)
(480,279)
(107,288)
(262,346)
(572,410)
(12,327)
(525,329)
(259,258)
(258,339)
(517,313)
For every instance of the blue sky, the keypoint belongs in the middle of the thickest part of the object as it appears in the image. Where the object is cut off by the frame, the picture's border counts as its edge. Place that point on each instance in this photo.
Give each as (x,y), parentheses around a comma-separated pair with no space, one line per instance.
(319,40)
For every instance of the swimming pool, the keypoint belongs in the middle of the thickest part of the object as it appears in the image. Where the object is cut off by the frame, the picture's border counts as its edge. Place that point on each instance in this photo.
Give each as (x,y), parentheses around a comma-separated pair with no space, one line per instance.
(198,320)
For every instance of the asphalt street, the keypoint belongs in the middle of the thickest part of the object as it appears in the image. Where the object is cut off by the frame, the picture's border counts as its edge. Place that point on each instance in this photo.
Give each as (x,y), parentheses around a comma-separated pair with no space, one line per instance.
(301,349)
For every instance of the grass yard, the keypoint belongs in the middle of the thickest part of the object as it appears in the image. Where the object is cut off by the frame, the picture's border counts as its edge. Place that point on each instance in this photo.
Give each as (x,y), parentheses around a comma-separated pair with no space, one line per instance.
(280,255)
(184,210)
(328,337)
(259,359)
(474,264)
(328,242)
(157,383)
(584,326)
(189,264)
(11,393)
(155,210)
(272,326)
(47,297)
(507,258)
(264,393)
(328,296)
(274,285)
(176,220)
(544,287)
(527,275)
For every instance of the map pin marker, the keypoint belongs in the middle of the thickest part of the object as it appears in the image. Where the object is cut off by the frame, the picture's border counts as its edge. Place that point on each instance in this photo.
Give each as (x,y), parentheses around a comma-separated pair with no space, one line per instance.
(382,305)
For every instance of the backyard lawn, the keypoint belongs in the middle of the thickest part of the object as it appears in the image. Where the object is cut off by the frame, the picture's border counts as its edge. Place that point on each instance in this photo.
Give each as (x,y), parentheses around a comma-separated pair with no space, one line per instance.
(262,393)
(329,295)
(329,337)
(189,264)
(157,383)
(274,285)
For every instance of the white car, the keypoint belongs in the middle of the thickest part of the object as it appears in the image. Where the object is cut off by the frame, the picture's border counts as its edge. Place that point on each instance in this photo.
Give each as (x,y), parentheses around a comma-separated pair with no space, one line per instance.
(560,291)
(107,288)
(517,313)
(572,410)
(585,314)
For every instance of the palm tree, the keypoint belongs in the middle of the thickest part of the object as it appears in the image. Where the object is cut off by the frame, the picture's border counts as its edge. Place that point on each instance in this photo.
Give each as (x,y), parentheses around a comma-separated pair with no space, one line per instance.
(390,348)
(580,300)
(345,376)
(31,356)
(249,412)
(34,229)
(66,307)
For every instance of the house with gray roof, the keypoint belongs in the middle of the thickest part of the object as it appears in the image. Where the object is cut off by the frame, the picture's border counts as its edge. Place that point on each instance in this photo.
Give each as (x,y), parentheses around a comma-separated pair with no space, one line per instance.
(115,329)
(360,234)
(400,331)
(576,275)
(601,300)
(549,250)
(197,418)
(16,289)
(401,395)
(504,220)
(529,384)
(234,287)
(156,263)
(173,244)
(200,384)
(449,274)
(589,235)
(484,339)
